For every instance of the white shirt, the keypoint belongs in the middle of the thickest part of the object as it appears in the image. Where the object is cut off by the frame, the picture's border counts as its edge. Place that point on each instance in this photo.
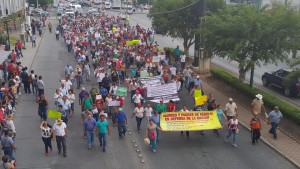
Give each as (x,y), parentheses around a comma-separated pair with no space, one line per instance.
(11,125)
(71,97)
(113,90)
(67,84)
(60,129)
(58,97)
(139,112)
(230,109)
(137,98)
(65,105)
(46,132)
(148,111)
(173,70)
(100,76)
(182,58)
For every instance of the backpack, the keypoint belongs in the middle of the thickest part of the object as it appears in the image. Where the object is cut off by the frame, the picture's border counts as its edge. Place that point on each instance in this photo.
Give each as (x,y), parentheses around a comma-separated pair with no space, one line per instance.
(152,135)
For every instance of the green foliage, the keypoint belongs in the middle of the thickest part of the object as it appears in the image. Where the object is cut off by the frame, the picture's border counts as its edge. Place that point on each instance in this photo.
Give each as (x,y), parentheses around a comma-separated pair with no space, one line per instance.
(294,75)
(145,2)
(289,110)
(41,2)
(172,51)
(246,35)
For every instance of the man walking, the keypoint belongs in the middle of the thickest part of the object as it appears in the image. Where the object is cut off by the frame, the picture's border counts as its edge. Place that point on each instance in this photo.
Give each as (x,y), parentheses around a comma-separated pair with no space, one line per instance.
(121,122)
(274,119)
(230,109)
(89,126)
(60,134)
(102,129)
(40,86)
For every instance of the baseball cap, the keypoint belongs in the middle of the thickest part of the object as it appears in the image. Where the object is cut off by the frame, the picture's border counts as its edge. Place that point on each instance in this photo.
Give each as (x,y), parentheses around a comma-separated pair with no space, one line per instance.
(120,109)
(230,99)
(83,88)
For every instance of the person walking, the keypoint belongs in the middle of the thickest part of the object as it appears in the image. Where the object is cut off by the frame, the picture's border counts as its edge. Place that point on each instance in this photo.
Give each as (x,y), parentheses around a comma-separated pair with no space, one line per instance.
(220,114)
(121,122)
(40,86)
(233,129)
(90,126)
(230,109)
(255,126)
(42,108)
(148,112)
(60,134)
(139,113)
(161,107)
(184,109)
(151,133)
(46,136)
(8,145)
(8,163)
(156,119)
(274,118)
(258,104)
(102,129)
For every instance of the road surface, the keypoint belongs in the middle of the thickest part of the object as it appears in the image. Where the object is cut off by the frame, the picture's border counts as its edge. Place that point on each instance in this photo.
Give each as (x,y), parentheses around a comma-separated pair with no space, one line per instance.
(174,151)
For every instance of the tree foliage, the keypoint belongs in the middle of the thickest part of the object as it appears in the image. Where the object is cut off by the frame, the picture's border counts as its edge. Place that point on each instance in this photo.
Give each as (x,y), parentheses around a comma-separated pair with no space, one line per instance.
(180,23)
(247,36)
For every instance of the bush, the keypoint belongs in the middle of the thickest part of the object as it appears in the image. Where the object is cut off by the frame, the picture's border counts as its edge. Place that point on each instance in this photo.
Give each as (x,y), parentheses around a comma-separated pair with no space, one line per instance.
(172,51)
(288,109)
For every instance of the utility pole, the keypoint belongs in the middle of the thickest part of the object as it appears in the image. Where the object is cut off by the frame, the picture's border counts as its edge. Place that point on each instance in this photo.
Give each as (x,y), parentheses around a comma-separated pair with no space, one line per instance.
(37,3)
(199,8)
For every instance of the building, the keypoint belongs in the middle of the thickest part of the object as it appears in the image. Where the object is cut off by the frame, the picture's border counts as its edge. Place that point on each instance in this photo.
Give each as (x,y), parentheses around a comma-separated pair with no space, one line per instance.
(8,7)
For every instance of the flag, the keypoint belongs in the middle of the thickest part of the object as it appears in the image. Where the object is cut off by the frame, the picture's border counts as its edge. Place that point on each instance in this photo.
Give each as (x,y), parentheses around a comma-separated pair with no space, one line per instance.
(53,114)
(122,91)
(200,100)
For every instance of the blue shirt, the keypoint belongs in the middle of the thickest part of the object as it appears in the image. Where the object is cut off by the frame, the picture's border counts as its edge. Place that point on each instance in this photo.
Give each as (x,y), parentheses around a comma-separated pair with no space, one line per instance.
(103,91)
(121,117)
(133,72)
(275,117)
(155,119)
(220,114)
(89,125)
(82,95)
(198,83)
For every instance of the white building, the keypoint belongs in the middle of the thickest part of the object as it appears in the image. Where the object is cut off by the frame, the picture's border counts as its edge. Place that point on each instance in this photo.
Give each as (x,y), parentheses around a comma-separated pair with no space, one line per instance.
(8,7)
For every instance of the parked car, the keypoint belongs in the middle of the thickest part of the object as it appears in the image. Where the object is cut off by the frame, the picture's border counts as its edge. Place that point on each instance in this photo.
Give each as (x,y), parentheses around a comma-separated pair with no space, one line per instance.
(276,79)
(107,5)
(85,4)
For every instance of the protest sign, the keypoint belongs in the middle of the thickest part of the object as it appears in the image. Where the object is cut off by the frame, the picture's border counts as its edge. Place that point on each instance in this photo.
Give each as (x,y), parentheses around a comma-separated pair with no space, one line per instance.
(53,114)
(122,91)
(98,97)
(165,99)
(155,59)
(152,81)
(165,89)
(162,57)
(189,121)
(144,73)
(114,103)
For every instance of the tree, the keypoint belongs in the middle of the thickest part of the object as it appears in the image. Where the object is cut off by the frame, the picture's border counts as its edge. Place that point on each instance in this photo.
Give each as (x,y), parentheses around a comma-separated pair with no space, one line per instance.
(247,36)
(170,19)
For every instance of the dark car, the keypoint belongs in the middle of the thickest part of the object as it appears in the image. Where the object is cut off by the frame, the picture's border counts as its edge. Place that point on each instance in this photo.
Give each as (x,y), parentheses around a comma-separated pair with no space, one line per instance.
(85,4)
(276,79)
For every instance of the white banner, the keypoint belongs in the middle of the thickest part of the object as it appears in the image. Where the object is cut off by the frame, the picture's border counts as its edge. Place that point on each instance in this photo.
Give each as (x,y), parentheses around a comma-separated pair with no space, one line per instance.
(152,81)
(113,103)
(155,59)
(162,90)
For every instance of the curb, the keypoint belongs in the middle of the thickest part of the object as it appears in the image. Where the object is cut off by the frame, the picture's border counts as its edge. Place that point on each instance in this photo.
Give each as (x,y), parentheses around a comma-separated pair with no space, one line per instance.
(262,138)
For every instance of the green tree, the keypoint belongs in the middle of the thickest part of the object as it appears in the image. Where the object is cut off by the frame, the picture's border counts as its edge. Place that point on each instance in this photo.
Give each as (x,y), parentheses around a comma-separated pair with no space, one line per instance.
(247,36)
(180,23)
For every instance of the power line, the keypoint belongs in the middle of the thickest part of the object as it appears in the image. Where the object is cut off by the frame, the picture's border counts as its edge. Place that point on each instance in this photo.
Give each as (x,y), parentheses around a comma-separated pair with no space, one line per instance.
(175,10)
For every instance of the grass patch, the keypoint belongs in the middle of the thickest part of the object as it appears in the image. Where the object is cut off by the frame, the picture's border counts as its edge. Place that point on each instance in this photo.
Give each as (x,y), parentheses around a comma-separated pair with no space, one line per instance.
(288,110)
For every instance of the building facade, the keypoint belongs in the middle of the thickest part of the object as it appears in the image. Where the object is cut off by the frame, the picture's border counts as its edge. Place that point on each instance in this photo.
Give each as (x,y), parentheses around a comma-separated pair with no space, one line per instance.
(8,7)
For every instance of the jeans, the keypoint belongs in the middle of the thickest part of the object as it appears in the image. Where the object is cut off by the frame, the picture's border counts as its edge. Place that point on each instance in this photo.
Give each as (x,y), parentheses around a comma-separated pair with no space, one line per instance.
(41,91)
(102,140)
(138,122)
(96,117)
(42,111)
(122,129)
(27,87)
(90,137)
(47,143)
(273,129)
(113,117)
(255,135)
(153,144)
(9,152)
(61,142)
(233,133)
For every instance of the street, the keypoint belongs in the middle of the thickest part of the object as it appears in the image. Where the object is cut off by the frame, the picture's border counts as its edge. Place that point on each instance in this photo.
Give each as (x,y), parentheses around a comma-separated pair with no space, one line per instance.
(174,151)
(231,66)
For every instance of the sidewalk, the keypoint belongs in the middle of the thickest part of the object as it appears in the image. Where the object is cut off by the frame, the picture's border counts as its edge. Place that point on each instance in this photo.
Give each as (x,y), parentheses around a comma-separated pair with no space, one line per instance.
(284,145)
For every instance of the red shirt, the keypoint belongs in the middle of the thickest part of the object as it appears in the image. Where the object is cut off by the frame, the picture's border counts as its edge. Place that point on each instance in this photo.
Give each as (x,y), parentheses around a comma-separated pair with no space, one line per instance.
(165,76)
(171,107)
(19,45)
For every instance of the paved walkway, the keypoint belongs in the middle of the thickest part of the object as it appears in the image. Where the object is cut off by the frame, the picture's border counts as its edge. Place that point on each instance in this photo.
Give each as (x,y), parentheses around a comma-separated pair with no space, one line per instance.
(284,145)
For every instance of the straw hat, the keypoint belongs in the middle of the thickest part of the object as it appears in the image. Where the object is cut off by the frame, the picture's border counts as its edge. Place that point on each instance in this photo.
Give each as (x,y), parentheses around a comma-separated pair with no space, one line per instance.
(259,96)
(10,117)
(58,121)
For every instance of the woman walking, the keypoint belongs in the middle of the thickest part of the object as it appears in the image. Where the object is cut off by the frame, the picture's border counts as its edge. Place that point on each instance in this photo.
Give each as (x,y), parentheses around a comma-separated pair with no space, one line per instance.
(46,136)
(71,98)
(233,129)
(151,133)
(139,112)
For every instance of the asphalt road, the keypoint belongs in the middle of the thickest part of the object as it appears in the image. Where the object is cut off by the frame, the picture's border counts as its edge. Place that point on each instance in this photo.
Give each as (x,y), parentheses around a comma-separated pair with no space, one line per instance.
(174,151)
(232,66)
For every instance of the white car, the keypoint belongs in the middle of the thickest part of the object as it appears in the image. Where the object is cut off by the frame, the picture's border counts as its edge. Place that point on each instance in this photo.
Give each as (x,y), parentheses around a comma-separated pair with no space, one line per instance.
(107,5)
